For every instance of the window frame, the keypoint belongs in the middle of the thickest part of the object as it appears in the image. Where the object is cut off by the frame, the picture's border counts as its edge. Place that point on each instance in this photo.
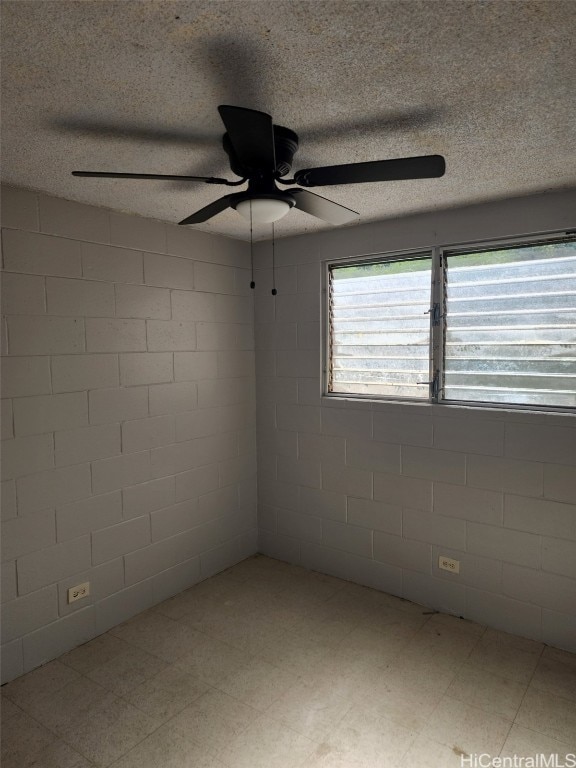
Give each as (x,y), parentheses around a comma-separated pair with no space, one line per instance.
(439,255)
(411,255)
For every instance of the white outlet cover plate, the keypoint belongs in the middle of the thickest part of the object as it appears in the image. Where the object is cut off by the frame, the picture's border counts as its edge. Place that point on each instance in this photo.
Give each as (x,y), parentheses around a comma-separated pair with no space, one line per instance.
(448,564)
(78,592)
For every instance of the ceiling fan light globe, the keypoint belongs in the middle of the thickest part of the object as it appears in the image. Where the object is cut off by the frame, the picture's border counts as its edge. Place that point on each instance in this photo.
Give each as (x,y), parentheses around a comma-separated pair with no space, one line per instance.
(264,210)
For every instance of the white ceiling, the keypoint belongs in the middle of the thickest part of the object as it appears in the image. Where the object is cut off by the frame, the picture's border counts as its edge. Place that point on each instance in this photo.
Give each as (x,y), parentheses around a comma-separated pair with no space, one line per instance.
(133,86)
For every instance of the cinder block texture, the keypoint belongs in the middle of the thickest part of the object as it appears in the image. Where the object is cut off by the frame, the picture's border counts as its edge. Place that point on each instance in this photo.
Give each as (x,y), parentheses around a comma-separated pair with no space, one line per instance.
(113,469)
(403,483)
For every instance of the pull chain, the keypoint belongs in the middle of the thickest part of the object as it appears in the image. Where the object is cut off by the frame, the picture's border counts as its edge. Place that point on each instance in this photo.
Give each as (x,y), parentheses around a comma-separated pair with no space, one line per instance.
(274,291)
(252,283)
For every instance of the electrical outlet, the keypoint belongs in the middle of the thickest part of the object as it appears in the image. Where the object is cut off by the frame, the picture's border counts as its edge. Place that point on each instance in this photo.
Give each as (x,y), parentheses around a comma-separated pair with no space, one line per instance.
(447,564)
(78,592)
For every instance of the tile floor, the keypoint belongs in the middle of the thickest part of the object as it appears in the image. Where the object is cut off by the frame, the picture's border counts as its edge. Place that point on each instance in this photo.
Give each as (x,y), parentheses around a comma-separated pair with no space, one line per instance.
(272,666)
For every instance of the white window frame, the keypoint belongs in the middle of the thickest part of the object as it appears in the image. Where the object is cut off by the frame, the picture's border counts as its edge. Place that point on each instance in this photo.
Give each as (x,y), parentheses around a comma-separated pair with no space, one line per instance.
(438,254)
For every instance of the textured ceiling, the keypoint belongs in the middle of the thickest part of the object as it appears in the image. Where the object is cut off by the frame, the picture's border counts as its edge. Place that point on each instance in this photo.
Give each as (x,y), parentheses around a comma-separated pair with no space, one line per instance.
(133,86)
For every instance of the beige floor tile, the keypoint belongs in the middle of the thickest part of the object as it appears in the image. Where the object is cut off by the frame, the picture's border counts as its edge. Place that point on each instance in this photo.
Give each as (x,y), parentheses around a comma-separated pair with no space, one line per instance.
(564,657)
(258,588)
(325,577)
(440,645)
(426,753)
(309,585)
(557,676)
(406,703)
(356,597)
(110,730)
(326,756)
(326,630)
(345,607)
(181,605)
(263,595)
(258,684)
(223,586)
(214,719)
(271,583)
(467,728)
(258,565)
(376,647)
(167,748)
(298,655)
(284,567)
(310,710)
(248,635)
(387,620)
(127,670)
(370,611)
(286,615)
(489,692)
(507,656)
(524,742)
(375,599)
(431,673)
(370,739)
(60,755)
(348,676)
(406,606)
(7,709)
(166,694)
(71,702)
(157,635)
(300,591)
(208,614)
(215,619)
(496,637)
(93,654)
(210,660)
(258,593)
(23,739)
(269,664)
(41,682)
(138,618)
(266,743)
(213,615)
(454,624)
(551,715)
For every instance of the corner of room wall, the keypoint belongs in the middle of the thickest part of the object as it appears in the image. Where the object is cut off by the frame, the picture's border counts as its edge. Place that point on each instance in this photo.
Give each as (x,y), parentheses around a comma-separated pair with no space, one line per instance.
(128,417)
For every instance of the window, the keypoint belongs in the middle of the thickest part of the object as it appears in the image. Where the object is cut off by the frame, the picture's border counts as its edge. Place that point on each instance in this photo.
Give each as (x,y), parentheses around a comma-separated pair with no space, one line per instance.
(485,325)
(380,330)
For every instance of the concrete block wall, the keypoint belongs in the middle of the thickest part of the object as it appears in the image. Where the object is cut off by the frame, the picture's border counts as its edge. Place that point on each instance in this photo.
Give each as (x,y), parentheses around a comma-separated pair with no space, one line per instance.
(128,417)
(375,492)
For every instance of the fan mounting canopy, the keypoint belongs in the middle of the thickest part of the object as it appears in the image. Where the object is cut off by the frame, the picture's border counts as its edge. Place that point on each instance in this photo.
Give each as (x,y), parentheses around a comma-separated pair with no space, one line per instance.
(285,147)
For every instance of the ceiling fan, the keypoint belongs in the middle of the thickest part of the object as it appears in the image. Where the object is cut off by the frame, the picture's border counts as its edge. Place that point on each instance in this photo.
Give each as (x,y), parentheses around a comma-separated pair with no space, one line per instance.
(261,154)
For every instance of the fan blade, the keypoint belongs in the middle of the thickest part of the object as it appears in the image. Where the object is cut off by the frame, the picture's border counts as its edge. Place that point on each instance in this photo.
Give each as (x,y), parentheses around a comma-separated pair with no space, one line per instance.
(105,175)
(252,136)
(328,210)
(208,211)
(426,167)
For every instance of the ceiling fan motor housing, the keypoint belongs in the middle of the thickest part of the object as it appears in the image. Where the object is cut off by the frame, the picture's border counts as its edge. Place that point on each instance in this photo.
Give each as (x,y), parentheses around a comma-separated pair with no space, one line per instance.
(285,146)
